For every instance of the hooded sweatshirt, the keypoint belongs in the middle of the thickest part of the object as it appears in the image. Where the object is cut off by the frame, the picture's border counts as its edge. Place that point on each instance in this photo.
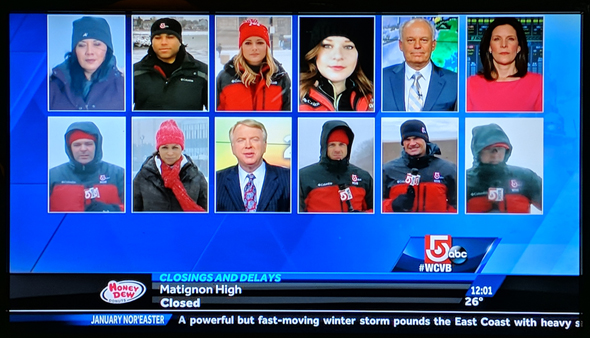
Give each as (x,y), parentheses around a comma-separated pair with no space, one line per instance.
(94,186)
(499,187)
(329,185)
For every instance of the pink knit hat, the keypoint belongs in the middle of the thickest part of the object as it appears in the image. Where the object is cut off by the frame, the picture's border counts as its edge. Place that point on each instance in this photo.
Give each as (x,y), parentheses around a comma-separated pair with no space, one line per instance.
(252,27)
(169,133)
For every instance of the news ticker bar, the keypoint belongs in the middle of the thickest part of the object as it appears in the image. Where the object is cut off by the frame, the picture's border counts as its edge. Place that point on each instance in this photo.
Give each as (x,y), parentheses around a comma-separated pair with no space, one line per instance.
(312,321)
(139,292)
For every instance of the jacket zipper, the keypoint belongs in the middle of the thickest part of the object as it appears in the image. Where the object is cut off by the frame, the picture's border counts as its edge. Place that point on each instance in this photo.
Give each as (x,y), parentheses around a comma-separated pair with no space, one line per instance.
(417,191)
(333,99)
(424,200)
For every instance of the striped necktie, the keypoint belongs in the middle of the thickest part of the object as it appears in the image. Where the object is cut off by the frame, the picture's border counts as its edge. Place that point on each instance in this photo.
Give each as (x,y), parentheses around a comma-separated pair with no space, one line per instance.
(415,101)
(250,194)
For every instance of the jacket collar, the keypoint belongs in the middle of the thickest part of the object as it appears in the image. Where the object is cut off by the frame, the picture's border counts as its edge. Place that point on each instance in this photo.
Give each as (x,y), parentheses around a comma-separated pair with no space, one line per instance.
(423,161)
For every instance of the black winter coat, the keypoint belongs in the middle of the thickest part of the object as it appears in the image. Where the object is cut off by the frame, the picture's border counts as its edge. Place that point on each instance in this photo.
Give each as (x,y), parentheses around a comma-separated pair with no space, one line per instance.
(150,194)
(186,89)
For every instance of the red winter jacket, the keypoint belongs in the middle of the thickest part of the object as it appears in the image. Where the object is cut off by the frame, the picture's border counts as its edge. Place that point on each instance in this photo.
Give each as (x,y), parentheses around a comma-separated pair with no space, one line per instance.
(321,98)
(321,184)
(437,189)
(232,94)
(94,186)
(499,187)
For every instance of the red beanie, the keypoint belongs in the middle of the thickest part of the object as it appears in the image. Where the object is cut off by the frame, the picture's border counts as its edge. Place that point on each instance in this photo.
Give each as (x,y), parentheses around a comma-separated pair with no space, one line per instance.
(252,27)
(499,145)
(338,135)
(169,133)
(77,135)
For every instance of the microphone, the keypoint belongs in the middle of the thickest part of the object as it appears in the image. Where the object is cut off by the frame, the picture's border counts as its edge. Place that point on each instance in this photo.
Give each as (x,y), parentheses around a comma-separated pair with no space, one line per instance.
(91,193)
(405,202)
(345,195)
(495,192)
(495,195)
(413,178)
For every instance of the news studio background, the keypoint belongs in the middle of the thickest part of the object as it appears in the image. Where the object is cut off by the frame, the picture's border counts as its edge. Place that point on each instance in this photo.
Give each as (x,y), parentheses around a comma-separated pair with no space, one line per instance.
(307,273)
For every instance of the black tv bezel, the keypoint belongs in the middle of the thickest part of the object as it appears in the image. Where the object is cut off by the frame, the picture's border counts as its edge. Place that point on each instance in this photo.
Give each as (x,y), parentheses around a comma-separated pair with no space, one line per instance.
(309,7)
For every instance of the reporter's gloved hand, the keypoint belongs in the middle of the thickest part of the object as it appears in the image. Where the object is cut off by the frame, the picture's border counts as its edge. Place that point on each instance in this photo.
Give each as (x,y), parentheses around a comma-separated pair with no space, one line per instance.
(404,202)
(100,206)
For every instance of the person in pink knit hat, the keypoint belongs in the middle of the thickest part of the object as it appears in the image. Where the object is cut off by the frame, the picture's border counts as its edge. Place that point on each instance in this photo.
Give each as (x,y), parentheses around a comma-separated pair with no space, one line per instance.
(169,180)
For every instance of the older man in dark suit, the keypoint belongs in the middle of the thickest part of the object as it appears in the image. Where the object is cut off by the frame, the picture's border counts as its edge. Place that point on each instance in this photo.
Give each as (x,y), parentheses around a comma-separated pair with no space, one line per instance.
(418,84)
(252,185)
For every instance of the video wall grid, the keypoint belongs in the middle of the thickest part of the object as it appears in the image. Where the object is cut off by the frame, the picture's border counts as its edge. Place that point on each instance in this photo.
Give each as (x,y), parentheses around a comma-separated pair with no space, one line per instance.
(122,107)
(390,154)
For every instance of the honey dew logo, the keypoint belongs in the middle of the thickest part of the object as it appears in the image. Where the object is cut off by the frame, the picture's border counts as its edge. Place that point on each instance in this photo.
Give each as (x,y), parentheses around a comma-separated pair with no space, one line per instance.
(122,292)
(440,254)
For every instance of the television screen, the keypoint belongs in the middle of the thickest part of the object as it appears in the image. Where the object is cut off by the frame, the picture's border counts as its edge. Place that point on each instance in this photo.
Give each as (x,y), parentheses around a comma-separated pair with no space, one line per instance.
(274,172)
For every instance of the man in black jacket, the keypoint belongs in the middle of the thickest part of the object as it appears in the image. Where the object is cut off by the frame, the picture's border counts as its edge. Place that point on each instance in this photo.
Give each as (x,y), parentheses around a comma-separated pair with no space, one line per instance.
(168,77)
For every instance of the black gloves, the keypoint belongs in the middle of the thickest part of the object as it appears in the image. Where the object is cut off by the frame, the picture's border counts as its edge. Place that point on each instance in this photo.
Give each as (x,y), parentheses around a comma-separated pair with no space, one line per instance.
(99,206)
(404,202)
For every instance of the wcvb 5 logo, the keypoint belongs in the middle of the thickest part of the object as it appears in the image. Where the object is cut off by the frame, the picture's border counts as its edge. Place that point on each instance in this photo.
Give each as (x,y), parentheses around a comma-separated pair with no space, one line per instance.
(439,249)
(122,292)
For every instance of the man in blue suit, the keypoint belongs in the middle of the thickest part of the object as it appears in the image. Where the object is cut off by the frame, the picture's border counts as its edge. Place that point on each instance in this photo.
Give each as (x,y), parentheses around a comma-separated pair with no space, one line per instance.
(252,185)
(418,84)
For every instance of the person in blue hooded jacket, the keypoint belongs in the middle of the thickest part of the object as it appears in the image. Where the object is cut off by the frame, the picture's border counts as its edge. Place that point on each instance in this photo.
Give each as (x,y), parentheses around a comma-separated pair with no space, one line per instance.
(88,79)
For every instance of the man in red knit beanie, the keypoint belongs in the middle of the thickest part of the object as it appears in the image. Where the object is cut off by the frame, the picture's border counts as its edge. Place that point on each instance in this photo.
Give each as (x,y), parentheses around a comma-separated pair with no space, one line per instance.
(85,183)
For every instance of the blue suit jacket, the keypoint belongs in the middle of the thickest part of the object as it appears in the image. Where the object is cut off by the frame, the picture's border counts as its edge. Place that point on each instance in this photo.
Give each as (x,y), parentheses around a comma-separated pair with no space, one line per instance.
(275,195)
(442,90)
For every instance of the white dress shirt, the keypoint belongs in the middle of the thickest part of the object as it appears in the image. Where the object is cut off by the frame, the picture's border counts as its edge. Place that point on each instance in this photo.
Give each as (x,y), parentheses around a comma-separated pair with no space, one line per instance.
(424,82)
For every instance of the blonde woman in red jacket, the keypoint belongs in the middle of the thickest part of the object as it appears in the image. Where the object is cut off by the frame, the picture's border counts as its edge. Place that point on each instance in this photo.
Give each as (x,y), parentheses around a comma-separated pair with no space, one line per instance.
(253,79)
